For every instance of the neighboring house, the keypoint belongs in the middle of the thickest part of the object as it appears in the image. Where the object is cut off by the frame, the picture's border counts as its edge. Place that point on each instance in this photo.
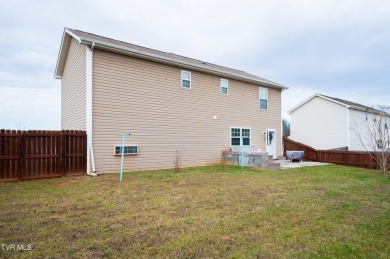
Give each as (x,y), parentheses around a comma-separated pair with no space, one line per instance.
(167,102)
(325,122)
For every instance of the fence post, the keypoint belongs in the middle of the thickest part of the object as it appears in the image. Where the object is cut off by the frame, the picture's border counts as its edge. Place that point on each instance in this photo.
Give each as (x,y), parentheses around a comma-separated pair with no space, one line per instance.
(62,141)
(20,154)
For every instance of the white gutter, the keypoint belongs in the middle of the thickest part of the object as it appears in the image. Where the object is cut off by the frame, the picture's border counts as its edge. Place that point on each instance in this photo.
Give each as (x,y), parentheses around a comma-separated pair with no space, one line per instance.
(166,60)
(90,156)
(372,111)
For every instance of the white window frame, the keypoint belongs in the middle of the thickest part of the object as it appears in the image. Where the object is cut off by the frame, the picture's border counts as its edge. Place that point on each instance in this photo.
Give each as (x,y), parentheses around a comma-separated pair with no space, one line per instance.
(185,79)
(126,153)
(222,86)
(241,128)
(267,99)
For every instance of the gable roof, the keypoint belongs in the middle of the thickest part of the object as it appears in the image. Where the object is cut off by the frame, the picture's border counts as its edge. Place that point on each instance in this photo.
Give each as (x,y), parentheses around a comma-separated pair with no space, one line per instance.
(116,46)
(347,104)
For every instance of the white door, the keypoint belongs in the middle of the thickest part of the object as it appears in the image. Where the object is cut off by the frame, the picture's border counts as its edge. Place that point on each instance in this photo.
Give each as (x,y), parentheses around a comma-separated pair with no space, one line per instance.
(271,142)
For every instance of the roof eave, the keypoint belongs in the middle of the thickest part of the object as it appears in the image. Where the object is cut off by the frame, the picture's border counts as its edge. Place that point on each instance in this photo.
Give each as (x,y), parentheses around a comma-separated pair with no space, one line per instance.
(165,60)
(370,110)
(63,52)
(313,96)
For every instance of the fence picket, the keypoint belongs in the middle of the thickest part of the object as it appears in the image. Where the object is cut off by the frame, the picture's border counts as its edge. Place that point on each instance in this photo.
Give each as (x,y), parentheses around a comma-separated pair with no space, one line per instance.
(347,158)
(41,154)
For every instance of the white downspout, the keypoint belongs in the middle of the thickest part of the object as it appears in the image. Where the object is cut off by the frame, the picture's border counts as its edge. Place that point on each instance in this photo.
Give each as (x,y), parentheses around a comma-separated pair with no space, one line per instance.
(90,155)
(281,123)
(349,128)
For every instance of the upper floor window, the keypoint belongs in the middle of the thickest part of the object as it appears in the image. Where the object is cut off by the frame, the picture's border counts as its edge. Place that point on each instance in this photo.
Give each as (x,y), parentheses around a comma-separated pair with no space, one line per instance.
(185,79)
(263,96)
(224,86)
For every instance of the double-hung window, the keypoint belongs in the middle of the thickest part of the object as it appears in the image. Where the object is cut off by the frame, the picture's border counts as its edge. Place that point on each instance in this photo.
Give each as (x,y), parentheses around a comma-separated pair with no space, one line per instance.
(185,79)
(237,133)
(224,86)
(263,96)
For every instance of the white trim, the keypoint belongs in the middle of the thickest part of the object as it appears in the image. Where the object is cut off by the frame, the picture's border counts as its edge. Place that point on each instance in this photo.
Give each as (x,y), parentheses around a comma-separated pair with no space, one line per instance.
(281,127)
(266,89)
(312,97)
(221,86)
(250,134)
(266,142)
(348,129)
(181,81)
(59,56)
(73,35)
(63,53)
(89,77)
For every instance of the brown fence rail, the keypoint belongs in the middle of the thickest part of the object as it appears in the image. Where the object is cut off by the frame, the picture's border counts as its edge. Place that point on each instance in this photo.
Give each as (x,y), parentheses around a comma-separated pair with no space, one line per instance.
(347,158)
(34,154)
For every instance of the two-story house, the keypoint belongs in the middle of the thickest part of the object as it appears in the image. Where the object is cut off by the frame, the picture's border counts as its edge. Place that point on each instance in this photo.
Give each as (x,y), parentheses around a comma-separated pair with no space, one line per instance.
(325,122)
(167,102)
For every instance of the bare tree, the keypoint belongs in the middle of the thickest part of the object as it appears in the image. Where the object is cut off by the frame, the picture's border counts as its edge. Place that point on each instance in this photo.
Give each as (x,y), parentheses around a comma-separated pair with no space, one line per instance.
(177,161)
(286,128)
(373,134)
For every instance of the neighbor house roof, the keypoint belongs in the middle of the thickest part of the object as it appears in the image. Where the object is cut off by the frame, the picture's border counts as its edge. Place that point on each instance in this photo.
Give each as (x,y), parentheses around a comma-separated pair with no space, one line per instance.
(347,104)
(116,46)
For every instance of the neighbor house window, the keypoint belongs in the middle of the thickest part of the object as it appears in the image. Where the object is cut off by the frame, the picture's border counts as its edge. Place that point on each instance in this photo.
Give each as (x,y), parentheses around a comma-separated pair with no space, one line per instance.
(263,96)
(236,134)
(224,86)
(185,79)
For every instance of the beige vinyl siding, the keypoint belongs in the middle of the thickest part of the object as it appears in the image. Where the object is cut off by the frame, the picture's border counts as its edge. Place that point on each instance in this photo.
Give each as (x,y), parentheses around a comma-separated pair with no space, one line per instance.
(73,89)
(147,100)
(321,124)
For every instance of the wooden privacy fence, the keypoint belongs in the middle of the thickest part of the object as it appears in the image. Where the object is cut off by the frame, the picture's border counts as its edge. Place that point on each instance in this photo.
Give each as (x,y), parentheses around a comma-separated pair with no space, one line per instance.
(34,154)
(347,158)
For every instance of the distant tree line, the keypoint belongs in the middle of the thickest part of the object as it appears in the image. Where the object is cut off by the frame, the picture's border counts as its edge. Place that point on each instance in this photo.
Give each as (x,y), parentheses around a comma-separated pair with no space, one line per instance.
(286,127)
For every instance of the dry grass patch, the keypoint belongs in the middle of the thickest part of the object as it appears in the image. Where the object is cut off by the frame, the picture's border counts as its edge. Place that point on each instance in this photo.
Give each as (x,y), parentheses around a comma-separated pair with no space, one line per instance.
(216,211)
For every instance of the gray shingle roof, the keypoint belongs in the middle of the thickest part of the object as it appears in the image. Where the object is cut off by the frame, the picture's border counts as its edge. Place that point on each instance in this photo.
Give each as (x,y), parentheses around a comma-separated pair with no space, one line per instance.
(347,104)
(89,37)
(353,105)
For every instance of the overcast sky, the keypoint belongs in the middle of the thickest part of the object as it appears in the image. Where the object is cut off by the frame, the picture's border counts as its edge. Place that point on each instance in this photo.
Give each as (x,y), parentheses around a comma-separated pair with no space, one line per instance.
(337,48)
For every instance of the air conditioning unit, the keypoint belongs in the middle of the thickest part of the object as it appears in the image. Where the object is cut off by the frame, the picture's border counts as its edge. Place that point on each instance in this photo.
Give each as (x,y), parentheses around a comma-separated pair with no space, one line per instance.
(128,150)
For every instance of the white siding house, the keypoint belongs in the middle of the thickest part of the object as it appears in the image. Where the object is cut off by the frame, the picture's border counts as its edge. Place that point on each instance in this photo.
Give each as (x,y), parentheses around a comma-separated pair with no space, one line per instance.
(324,122)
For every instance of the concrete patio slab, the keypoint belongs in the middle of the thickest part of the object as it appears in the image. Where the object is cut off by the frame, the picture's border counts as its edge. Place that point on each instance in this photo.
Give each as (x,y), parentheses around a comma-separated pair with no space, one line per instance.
(286,164)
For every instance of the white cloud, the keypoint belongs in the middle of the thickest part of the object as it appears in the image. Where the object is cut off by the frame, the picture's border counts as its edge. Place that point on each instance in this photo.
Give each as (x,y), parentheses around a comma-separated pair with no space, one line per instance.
(29,108)
(339,48)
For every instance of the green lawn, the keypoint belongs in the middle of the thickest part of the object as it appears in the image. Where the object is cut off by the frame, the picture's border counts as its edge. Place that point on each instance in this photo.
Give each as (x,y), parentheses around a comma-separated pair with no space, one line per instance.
(325,211)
